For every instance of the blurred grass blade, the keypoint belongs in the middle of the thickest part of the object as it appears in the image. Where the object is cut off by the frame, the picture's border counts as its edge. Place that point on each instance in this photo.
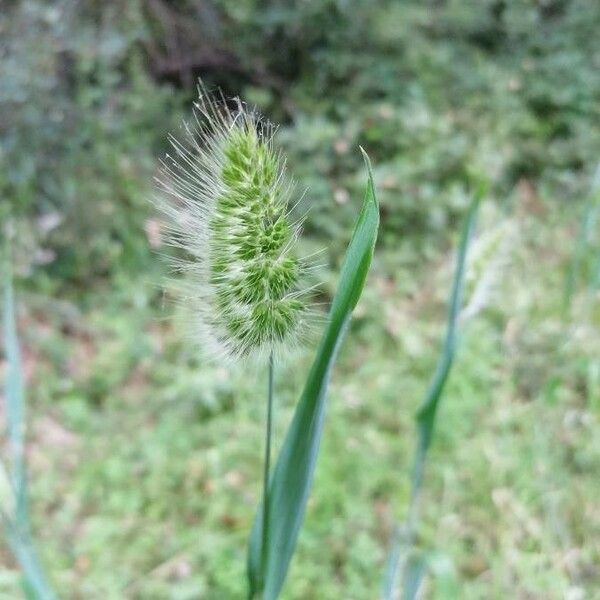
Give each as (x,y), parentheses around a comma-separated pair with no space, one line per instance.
(17,526)
(7,495)
(584,238)
(428,409)
(416,568)
(15,401)
(293,473)
(391,565)
(403,538)
(34,583)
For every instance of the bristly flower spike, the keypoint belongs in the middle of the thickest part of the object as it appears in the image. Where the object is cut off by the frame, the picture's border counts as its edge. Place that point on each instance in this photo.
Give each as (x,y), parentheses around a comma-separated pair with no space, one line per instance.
(227,195)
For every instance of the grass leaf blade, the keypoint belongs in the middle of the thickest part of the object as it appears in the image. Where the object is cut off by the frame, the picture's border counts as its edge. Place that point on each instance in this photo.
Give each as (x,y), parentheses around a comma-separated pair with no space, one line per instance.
(17,526)
(15,402)
(293,473)
(428,409)
(402,538)
(415,572)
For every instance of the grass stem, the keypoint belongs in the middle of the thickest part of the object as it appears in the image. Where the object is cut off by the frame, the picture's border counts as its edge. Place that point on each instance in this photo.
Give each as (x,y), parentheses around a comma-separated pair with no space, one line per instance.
(17,526)
(267,470)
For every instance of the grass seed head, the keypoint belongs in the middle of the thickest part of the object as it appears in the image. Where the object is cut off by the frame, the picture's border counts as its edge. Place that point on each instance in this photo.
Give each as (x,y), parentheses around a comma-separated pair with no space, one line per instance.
(226,193)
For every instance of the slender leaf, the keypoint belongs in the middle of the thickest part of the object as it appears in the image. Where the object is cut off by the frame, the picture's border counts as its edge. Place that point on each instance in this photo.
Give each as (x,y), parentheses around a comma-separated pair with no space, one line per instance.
(34,582)
(293,474)
(416,568)
(391,565)
(15,401)
(17,526)
(586,228)
(428,409)
(426,414)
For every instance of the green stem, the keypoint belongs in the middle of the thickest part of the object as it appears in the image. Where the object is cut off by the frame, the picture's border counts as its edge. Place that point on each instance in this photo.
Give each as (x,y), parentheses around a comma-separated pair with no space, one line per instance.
(15,400)
(24,551)
(267,470)
(404,538)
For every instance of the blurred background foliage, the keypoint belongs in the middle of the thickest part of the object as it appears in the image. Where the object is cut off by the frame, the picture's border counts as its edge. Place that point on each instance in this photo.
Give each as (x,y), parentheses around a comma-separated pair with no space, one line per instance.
(144,462)
(432,90)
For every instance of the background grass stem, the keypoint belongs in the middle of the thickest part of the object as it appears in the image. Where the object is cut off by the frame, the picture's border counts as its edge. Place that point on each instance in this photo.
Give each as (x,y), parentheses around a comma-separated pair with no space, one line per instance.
(400,556)
(16,526)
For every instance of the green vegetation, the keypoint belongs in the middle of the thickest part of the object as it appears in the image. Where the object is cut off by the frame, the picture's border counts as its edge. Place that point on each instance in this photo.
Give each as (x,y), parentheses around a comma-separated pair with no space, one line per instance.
(143,458)
(14,509)
(289,487)
(229,209)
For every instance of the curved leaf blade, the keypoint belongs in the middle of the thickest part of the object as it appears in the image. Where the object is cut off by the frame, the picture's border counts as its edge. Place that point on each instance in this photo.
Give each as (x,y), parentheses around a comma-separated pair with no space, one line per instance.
(426,414)
(16,525)
(293,474)
(15,399)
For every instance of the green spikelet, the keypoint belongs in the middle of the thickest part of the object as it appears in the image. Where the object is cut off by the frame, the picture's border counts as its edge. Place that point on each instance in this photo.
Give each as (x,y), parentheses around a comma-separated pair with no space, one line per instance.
(227,195)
